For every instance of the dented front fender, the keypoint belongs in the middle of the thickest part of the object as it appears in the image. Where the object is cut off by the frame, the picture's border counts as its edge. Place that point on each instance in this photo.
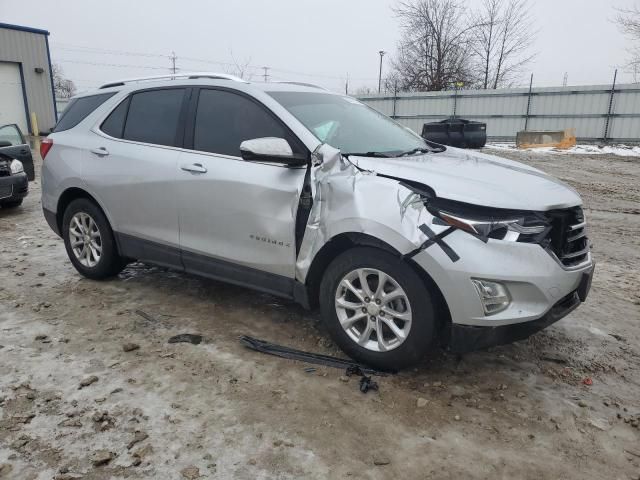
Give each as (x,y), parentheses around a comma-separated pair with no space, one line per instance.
(350,200)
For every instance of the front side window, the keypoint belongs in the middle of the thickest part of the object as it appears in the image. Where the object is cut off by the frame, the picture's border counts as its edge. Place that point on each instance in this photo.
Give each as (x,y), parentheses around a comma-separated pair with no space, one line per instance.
(79,109)
(347,124)
(224,120)
(153,116)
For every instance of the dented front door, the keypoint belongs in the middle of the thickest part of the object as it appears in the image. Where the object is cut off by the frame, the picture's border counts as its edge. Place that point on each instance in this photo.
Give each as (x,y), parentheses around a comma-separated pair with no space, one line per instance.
(237,212)
(237,218)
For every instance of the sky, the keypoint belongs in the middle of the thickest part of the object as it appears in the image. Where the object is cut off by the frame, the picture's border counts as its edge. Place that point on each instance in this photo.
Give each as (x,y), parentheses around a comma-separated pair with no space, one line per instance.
(303,40)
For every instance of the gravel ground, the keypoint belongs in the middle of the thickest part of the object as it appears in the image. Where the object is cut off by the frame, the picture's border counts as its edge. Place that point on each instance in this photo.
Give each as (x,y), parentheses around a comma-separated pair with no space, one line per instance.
(90,388)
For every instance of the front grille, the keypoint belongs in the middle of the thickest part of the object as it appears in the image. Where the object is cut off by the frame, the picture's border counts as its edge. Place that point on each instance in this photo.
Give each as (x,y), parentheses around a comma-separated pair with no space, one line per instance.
(565,236)
(569,236)
(6,191)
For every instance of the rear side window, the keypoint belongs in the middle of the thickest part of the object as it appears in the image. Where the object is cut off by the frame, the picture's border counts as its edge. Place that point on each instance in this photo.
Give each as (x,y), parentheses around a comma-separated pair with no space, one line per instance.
(153,116)
(79,109)
(224,120)
(114,124)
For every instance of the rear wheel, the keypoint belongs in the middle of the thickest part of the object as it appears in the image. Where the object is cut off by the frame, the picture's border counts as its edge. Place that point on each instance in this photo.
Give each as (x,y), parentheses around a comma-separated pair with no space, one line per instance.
(377,308)
(89,240)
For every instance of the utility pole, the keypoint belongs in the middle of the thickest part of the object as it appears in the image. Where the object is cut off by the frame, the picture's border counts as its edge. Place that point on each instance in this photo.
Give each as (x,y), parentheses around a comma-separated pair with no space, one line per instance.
(346,85)
(382,53)
(173,62)
(266,74)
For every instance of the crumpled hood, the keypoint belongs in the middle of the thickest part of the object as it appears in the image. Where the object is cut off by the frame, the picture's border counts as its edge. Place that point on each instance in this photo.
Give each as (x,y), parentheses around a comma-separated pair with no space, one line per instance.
(478,179)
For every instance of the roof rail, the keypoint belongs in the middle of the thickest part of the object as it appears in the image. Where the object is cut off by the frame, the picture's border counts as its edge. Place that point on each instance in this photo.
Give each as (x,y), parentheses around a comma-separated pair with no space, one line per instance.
(174,76)
(302,84)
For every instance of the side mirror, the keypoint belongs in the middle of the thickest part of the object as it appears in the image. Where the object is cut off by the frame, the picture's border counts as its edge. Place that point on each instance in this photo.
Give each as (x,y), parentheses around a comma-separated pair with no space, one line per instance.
(270,149)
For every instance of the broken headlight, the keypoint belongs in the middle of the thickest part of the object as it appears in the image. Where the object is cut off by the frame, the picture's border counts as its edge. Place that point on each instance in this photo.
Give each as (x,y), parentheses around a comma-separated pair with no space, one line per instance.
(486,222)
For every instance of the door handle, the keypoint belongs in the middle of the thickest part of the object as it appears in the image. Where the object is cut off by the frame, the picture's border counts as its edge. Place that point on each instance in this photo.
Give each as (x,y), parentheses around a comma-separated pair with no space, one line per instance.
(101,151)
(194,168)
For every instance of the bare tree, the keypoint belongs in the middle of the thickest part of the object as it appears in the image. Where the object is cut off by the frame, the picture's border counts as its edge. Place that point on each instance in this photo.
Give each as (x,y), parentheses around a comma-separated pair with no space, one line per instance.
(392,83)
(629,22)
(434,50)
(502,36)
(484,37)
(63,87)
(363,90)
(240,68)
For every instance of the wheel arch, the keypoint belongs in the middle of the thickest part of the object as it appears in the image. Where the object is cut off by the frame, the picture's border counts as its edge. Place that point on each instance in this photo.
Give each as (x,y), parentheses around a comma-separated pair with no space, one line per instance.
(345,241)
(68,196)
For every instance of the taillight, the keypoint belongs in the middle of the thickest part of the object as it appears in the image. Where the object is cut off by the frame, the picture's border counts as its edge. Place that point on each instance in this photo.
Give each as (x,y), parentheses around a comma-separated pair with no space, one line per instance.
(45,146)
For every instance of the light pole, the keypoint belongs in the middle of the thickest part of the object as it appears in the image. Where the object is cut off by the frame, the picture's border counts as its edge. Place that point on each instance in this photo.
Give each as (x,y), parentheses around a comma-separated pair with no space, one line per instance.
(382,54)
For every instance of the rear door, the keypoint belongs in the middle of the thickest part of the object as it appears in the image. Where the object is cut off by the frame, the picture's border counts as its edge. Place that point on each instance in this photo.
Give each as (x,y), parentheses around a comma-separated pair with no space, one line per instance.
(14,145)
(237,218)
(132,168)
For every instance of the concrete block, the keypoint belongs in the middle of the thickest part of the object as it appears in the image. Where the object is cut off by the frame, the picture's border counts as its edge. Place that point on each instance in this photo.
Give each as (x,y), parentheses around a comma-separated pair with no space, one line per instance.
(553,138)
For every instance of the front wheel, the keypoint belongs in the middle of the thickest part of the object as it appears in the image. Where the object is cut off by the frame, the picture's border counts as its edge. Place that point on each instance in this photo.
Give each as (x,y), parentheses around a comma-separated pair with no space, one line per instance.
(89,241)
(377,308)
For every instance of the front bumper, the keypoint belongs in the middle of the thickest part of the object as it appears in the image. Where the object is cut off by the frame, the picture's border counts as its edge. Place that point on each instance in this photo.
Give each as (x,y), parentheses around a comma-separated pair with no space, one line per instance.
(541,289)
(13,187)
(465,338)
(535,280)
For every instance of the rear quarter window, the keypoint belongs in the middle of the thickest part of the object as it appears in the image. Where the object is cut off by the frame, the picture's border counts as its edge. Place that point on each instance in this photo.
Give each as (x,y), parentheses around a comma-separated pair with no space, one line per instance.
(114,124)
(79,109)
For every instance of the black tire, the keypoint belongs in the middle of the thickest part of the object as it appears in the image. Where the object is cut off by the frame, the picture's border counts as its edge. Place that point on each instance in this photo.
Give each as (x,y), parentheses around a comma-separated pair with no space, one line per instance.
(110,263)
(420,339)
(11,204)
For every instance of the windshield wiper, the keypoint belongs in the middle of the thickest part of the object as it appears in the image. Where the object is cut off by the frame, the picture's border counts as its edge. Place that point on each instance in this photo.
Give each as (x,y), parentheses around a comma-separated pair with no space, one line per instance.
(369,154)
(416,150)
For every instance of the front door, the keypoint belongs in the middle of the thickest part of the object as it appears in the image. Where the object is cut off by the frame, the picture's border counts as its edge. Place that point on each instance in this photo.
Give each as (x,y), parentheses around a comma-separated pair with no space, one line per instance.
(237,218)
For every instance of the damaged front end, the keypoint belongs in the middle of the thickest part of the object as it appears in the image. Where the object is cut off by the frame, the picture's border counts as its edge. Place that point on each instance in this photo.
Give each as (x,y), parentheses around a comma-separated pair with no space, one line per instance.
(347,199)
(409,216)
(502,273)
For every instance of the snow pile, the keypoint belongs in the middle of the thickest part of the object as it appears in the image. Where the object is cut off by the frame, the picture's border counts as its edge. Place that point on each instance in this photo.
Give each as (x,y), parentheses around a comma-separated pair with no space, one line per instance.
(620,150)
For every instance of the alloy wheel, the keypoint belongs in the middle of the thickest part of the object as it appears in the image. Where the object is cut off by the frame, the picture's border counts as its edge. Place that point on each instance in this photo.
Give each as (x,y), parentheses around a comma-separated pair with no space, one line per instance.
(373,309)
(85,239)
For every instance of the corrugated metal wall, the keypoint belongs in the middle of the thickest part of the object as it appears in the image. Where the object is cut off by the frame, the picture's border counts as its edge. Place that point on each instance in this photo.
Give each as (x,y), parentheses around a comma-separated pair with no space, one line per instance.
(584,109)
(61,104)
(30,49)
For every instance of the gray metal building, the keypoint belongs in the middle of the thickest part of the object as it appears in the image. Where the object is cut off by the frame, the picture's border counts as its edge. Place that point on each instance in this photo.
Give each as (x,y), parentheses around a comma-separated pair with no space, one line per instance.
(26,83)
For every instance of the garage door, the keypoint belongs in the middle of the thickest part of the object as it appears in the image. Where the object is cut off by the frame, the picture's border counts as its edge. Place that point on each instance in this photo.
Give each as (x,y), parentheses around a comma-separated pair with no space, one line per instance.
(11,98)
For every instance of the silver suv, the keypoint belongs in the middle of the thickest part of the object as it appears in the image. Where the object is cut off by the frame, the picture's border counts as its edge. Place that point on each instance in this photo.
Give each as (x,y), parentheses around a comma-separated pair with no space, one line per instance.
(289,189)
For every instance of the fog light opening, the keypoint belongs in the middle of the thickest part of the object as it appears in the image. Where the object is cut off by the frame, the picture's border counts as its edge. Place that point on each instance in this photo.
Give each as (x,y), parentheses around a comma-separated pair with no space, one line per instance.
(494,296)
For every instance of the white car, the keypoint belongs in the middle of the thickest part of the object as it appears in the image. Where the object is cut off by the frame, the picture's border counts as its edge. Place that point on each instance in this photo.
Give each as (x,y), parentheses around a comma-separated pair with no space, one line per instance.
(292,190)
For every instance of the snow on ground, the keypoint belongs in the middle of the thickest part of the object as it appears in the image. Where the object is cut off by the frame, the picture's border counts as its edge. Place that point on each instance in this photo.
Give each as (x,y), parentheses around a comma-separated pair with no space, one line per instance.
(619,150)
(563,404)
